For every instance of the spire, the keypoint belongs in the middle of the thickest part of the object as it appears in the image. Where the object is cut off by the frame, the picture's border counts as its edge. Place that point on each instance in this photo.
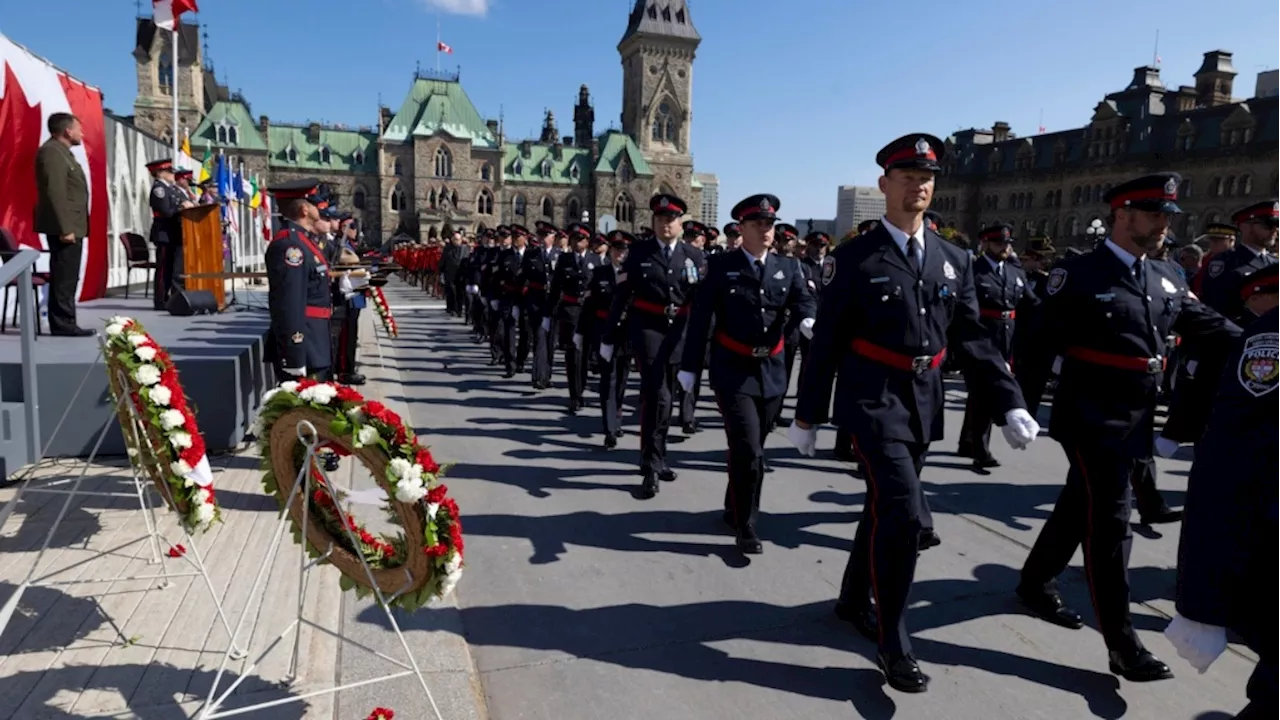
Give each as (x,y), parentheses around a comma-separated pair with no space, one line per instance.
(664,18)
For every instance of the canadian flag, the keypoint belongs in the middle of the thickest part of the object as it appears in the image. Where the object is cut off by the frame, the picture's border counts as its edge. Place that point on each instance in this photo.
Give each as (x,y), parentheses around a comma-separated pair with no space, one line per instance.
(166,12)
(441,47)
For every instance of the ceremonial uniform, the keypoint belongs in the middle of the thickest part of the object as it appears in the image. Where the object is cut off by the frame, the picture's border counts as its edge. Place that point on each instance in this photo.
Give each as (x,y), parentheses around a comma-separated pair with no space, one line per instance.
(166,233)
(1108,315)
(298,294)
(785,235)
(594,329)
(749,300)
(510,287)
(569,283)
(1225,273)
(895,302)
(688,401)
(535,270)
(653,294)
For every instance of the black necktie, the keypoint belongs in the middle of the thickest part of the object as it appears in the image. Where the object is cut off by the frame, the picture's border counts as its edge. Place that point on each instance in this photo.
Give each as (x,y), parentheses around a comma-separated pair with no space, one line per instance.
(913,252)
(1138,273)
(760,270)
(666,252)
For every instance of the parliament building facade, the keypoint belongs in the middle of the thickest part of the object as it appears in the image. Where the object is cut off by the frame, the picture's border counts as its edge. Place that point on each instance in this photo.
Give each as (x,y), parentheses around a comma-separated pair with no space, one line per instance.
(436,160)
(1052,184)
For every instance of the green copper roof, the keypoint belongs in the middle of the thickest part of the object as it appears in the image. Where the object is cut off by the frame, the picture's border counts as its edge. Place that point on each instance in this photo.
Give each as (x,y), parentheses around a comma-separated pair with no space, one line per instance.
(542,166)
(227,125)
(348,150)
(439,105)
(614,145)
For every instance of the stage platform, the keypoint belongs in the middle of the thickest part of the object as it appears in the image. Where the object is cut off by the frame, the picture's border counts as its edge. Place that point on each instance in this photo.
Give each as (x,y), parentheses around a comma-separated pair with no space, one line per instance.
(220,359)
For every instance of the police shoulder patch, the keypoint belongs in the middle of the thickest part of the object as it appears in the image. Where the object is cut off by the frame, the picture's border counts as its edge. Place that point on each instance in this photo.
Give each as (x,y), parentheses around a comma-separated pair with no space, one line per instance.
(828,270)
(1057,280)
(293,257)
(1260,364)
(1215,268)
(158,191)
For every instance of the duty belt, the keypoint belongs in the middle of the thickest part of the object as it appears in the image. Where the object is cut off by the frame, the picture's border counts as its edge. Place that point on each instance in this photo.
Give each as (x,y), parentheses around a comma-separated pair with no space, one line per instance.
(757,351)
(994,313)
(1120,362)
(602,314)
(320,313)
(571,299)
(534,286)
(669,311)
(919,364)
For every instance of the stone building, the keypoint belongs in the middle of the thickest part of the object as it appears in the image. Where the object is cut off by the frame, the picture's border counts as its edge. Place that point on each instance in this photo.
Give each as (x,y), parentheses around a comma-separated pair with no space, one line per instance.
(1052,184)
(437,161)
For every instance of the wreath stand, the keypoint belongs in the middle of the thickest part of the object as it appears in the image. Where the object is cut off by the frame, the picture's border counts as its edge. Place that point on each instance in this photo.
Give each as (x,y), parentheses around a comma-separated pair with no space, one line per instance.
(303,489)
(135,437)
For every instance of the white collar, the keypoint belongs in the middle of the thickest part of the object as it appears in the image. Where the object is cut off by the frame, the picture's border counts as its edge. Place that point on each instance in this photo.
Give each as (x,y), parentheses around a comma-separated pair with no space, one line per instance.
(901,236)
(1125,256)
(752,258)
(997,264)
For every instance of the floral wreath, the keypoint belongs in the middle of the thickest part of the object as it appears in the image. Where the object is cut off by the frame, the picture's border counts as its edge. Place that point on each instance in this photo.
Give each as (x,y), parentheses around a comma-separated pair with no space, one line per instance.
(174,456)
(384,312)
(430,552)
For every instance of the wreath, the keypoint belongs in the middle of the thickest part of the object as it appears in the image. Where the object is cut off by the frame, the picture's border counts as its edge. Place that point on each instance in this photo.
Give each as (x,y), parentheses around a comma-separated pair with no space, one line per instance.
(384,312)
(173,453)
(411,568)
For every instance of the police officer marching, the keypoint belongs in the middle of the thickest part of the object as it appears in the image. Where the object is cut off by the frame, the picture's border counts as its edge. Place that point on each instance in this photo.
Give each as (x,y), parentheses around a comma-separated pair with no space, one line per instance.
(593,331)
(509,282)
(298,295)
(569,283)
(167,199)
(1108,314)
(816,244)
(748,295)
(535,270)
(893,299)
(695,233)
(1254,249)
(654,291)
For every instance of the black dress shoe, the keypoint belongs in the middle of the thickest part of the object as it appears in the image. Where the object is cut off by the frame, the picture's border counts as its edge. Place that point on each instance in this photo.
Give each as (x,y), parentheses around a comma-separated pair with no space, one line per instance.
(902,673)
(748,542)
(1159,516)
(1138,666)
(649,487)
(986,462)
(352,379)
(667,475)
(781,422)
(620,433)
(929,538)
(845,454)
(764,462)
(862,618)
(610,442)
(73,332)
(689,428)
(1049,607)
(508,374)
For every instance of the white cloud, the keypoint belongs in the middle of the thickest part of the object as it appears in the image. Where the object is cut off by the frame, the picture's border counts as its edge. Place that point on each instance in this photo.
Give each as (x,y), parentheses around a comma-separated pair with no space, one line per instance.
(479,8)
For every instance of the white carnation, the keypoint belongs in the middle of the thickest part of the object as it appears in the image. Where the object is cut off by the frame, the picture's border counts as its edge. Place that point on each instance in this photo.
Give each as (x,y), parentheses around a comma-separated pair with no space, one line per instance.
(432,509)
(170,419)
(399,466)
(160,395)
(136,339)
(182,469)
(367,435)
(356,413)
(180,440)
(145,354)
(413,474)
(203,496)
(289,386)
(205,513)
(119,320)
(320,394)
(449,582)
(409,491)
(133,452)
(455,563)
(115,329)
(147,375)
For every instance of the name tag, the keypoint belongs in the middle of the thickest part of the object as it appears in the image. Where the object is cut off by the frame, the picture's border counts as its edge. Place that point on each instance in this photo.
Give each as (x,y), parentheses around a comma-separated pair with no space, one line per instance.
(878,280)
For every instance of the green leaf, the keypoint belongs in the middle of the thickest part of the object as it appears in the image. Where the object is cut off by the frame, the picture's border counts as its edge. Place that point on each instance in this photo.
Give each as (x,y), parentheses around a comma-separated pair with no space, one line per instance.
(339,426)
(346,583)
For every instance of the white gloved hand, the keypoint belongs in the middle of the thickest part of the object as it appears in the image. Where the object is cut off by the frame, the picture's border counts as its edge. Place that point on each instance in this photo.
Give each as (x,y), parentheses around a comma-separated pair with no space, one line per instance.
(345,286)
(471,289)
(1020,429)
(359,283)
(686,380)
(493,304)
(577,340)
(606,352)
(1165,447)
(1197,643)
(515,313)
(546,324)
(806,441)
(806,328)
(296,372)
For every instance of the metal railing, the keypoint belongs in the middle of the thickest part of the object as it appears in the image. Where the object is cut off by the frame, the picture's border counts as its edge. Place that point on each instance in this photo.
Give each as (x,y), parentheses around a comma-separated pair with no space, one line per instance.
(20,267)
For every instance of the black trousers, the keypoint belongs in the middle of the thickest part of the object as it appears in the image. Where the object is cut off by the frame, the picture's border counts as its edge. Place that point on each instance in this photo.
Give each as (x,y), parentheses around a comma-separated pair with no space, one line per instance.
(64,275)
(450,294)
(542,347)
(883,560)
(747,421)
(789,350)
(575,369)
(479,314)
(345,341)
(613,389)
(515,341)
(1093,509)
(497,333)
(1146,496)
(656,381)
(689,401)
(975,432)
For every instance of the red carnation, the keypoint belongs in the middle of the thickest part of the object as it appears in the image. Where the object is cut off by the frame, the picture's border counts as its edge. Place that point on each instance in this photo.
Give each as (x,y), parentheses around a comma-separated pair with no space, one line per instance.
(375,409)
(436,551)
(455,537)
(437,493)
(427,462)
(381,713)
(346,394)
(451,506)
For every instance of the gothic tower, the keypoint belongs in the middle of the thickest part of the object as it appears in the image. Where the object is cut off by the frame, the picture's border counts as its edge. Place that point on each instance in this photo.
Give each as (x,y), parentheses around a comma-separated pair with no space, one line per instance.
(584,119)
(657,88)
(153,54)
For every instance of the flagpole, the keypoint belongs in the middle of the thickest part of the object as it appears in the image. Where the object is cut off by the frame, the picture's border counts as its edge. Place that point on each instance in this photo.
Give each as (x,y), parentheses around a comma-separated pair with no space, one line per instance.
(437,45)
(174,85)
(1155,54)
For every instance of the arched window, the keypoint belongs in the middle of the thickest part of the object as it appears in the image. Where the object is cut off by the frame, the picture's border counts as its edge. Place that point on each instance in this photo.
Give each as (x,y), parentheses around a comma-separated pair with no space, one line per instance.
(574,173)
(1215,188)
(573,210)
(1246,185)
(517,167)
(444,162)
(548,208)
(664,124)
(432,200)
(233,136)
(1229,187)
(545,170)
(486,172)
(358,157)
(518,205)
(453,198)
(484,202)
(397,199)
(325,155)
(358,198)
(220,133)
(291,154)
(624,209)
(164,71)
(397,168)
(1073,226)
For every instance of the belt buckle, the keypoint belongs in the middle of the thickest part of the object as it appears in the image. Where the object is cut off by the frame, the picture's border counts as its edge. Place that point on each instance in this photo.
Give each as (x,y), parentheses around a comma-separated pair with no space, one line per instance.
(1155,364)
(761,352)
(1006,314)
(670,311)
(921,364)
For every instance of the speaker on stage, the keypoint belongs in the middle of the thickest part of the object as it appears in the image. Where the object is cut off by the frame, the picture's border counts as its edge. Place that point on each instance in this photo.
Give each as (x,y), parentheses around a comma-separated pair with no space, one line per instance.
(184,303)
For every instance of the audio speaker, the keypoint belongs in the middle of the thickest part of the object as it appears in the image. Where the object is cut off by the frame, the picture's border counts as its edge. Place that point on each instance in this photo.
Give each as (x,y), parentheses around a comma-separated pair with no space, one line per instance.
(183,303)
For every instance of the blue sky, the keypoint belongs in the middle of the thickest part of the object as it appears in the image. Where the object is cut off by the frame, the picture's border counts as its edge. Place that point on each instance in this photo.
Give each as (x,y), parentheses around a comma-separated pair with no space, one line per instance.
(792,98)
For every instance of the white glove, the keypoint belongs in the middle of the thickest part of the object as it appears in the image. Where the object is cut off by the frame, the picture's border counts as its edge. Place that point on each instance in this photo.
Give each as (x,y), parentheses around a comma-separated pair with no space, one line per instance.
(471,289)
(296,372)
(1020,429)
(493,304)
(1197,643)
(686,380)
(806,328)
(546,324)
(345,286)
(806,441)
(606,352)
(359,283)
(515,313)
(577,340)
(1165,447)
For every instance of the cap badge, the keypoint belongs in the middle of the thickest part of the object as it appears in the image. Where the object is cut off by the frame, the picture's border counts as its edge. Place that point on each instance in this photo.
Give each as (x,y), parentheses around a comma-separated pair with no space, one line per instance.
(764,205)
(1171,187)
(922,147)
(662,200)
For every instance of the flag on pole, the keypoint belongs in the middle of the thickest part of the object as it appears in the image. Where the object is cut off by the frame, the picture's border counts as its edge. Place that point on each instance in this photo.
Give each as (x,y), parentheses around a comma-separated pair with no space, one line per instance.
(186,143)
(206,165)
(166,13)
(1041,129)
(442,47)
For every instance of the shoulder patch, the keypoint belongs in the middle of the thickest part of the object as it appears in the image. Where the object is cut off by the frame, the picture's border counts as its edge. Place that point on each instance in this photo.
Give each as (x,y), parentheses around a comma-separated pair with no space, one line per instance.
(293,257)
(1260,364)
(828,270)
(158,191)
(1057,280)
(1215,268)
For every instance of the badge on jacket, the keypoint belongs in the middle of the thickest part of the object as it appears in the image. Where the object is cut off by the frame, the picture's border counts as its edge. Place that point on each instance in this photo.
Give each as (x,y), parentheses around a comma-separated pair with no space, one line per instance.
(1260,364)
(947,271)
(828,271)
(1057,279)
(293,257)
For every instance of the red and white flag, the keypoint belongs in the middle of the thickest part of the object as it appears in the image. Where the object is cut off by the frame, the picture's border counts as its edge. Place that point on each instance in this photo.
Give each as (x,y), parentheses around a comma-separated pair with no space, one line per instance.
(441,47)
(167,12)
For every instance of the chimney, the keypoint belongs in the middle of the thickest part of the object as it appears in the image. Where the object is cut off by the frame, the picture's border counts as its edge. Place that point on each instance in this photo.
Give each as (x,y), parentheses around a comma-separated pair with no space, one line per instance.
(1000,131)
(313,133)
(493,127)
(264,123)
(557,150)
(567,140)
(526,148)
(1146,76)
(1214,79)
(385,117)
(1186,99)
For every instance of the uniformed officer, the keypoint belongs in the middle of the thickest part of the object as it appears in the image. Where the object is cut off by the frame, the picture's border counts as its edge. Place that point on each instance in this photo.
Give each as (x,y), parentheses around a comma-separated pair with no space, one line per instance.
(1108,314)
(491,293)
(167,199)
(695,233)
(569,283)
(509,281)
(298,295)
(475,277)
(732,236)
(182,178)
(354,300)
(1218,238)
(1226,556)
(535,270)
(816,245)
(593,331)
(895,301)
(654,291)
(1254,248)
(748,295)
(1002,292)
(786,238)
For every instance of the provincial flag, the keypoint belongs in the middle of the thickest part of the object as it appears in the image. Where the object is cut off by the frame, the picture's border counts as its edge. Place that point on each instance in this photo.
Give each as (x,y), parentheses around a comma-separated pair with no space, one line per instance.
(441,47)
(166,13)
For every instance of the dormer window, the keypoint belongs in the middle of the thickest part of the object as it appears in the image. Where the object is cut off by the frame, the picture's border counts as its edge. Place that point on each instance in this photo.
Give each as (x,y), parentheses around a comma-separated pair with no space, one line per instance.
(358,158)
(291,153)
(545,170)
(233,137)
(325,155)
(517,167)
(574,173)
(680,16)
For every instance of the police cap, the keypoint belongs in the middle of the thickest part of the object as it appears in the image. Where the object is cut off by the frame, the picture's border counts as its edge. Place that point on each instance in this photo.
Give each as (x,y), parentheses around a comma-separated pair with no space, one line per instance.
(546,228)
(182,172)
(519,231)
(757,207)
(1000,232)
(867,226)
(785,231)
(1157,192)
(599,239)
(307,189)
(1262,280)
(693,228)
(578,230)
(818,238)
(156,166)
(667,204)
(732,230)
(1266,212)
(933,220)
(1220,229)
(503,231)
(712,232)
(917,151)
(621,239)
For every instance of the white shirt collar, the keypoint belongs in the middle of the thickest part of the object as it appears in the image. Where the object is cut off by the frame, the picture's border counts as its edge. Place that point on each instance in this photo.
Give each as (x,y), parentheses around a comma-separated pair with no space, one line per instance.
(752,258)
(901,237)
(994,263)
(1125,256)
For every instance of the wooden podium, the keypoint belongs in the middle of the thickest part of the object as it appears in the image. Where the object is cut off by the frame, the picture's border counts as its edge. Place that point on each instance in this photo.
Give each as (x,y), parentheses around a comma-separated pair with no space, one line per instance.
(203,252)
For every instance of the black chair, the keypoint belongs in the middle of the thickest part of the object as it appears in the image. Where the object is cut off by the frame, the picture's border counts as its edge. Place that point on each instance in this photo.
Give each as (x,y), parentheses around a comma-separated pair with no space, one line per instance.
(138,256)
(9,248)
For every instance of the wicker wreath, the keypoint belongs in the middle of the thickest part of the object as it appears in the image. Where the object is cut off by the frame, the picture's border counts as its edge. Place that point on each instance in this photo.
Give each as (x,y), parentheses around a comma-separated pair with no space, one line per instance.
(421,563)
(165,445)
